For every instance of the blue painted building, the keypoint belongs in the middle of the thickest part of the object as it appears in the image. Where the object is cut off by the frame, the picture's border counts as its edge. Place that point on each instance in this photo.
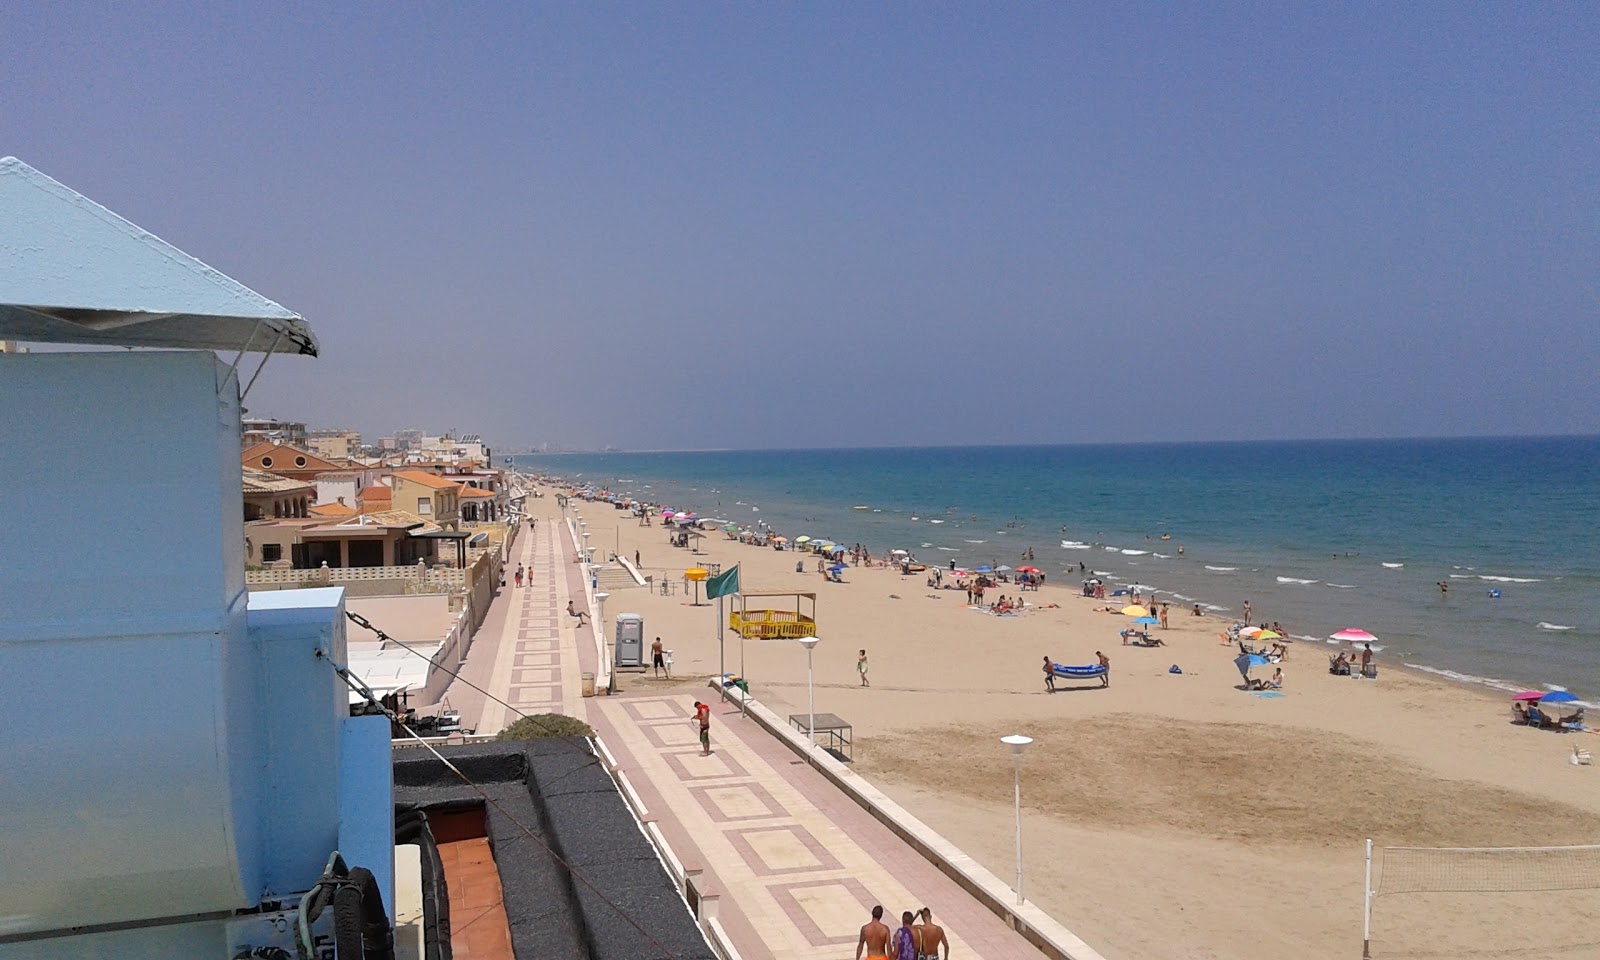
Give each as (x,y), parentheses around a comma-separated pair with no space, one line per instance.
(185,764)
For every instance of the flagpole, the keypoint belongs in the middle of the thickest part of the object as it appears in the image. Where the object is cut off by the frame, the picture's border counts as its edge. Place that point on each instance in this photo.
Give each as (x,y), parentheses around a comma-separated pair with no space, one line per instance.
(744,704)
(722,653)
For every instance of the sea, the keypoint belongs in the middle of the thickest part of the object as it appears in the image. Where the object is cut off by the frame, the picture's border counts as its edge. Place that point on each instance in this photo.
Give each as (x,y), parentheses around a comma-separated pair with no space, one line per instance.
(1317,535)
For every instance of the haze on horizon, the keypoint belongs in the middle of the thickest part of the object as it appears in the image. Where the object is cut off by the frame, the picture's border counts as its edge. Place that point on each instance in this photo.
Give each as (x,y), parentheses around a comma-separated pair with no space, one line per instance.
(737,226)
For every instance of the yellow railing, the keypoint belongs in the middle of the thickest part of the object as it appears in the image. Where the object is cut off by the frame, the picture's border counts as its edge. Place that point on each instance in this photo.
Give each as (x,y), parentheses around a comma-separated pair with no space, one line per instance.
(772,624)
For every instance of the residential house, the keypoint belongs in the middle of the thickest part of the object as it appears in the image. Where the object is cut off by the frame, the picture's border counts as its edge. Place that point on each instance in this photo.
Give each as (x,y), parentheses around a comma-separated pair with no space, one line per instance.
(267,430)
(287,461)
(371,499)
(269,495)
(334,444)
(430,497)
(383,539)
(344,486)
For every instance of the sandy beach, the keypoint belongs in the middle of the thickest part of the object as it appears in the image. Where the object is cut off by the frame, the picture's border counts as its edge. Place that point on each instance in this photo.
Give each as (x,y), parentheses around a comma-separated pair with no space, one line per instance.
(1168,815)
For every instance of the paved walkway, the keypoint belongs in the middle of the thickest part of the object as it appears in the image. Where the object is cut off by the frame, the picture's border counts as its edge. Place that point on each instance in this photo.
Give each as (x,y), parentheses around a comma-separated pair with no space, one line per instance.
(797,864)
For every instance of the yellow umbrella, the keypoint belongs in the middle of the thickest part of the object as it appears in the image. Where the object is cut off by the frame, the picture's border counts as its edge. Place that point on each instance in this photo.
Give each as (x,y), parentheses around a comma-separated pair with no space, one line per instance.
(1136,611)
(1269,635)
(696,574)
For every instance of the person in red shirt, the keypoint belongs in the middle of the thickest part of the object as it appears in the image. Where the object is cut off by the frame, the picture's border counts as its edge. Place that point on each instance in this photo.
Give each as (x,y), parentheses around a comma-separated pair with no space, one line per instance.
(702,716)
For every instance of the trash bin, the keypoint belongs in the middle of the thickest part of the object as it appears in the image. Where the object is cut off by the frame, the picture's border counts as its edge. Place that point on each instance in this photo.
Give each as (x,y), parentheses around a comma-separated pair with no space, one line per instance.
(588,684)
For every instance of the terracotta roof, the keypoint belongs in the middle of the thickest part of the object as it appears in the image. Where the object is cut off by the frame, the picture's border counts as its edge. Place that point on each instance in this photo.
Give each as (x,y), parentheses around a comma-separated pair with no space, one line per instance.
(260,481)
(283,458)
(259,447)
(426,479)
(375,492)
(333,510)
(472,493)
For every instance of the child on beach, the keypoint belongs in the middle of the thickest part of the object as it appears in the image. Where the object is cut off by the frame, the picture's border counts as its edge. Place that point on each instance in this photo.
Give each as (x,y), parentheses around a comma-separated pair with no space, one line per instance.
(861,668)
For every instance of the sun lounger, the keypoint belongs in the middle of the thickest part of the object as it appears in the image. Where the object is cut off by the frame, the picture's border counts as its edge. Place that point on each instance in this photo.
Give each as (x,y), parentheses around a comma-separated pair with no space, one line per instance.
(1092,672)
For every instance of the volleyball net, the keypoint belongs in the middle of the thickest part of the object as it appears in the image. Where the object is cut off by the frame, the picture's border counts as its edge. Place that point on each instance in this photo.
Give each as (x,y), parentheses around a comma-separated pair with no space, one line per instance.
(1420,870)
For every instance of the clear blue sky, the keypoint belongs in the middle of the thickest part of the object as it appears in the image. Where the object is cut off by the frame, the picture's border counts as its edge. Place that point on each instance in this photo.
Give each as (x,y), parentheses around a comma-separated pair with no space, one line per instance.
(720,225)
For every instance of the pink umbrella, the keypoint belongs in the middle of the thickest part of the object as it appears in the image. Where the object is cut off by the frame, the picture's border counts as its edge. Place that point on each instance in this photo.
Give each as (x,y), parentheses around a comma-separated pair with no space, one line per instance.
(1529,695)
(1354,635)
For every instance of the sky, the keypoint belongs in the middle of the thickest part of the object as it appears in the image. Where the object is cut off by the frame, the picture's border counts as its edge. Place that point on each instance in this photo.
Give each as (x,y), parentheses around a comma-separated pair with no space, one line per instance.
(707,225)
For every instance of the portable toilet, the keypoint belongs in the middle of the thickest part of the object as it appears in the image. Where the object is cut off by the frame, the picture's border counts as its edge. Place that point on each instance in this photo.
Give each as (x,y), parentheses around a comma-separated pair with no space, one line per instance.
(629,640)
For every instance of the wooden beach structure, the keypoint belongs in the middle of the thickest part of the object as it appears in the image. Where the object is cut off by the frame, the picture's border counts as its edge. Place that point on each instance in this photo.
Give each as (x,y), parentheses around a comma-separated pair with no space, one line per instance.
(771,623)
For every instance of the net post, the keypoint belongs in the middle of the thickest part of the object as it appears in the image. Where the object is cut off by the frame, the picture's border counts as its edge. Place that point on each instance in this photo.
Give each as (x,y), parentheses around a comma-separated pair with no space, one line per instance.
(1366,909)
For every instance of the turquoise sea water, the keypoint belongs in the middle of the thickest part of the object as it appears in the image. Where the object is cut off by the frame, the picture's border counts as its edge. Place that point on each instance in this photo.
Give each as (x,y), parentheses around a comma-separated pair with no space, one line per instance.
(1309,532)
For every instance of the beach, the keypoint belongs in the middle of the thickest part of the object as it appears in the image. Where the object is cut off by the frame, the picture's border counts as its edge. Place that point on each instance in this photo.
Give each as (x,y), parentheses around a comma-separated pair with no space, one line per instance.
(1167,814)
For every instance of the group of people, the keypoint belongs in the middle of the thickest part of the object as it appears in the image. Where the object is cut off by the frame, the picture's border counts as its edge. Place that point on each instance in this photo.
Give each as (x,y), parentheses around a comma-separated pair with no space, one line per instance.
(1256,683)
(918,938)
(1342,665)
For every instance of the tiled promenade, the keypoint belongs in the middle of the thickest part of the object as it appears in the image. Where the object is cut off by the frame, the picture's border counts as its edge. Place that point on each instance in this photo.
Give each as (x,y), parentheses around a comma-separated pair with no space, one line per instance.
(796,864)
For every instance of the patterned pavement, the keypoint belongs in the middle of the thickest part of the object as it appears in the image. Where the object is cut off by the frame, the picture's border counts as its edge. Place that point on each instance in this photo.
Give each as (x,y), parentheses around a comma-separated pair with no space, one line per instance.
(796,864)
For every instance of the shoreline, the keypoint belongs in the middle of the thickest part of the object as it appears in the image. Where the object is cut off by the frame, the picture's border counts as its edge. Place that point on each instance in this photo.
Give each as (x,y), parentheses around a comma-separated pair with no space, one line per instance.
(1185,780)
(1491,686)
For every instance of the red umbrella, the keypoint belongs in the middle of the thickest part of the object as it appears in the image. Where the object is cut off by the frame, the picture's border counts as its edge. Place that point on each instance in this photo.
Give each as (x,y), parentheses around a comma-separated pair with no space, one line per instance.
(1529,695)
(1029,570)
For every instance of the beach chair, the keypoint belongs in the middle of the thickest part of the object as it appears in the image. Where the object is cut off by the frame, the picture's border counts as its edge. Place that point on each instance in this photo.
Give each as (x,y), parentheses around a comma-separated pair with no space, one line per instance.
(1580,758)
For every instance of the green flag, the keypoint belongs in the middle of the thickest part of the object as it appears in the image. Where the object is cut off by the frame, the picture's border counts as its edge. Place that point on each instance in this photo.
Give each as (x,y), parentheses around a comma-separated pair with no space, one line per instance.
(723,584)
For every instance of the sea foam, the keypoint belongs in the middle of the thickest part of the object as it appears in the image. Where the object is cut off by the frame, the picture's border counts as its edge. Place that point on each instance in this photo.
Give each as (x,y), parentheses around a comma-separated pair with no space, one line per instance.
(1552,626)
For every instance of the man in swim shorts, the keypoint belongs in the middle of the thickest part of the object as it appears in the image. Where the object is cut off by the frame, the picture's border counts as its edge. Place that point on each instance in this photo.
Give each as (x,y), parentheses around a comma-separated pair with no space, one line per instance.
(932,938)
(874,938)
(1049,676)
(658,659)
(702,716)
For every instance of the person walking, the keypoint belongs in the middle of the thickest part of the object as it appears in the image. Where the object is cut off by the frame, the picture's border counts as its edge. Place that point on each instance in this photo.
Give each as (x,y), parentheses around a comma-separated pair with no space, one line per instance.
(1049,676)
(702,716)
(861,668)
(874,937)
(906,946)
(932,938)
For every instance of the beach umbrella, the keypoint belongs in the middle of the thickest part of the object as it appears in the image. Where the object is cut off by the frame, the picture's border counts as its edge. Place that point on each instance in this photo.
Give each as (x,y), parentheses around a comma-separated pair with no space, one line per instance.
(984,569)
(1135,612)
(696,574)
(802,539)
(1557,698)
(1147,620)
(1245,661)
(666,513)
(1250,631)
(1528,695)
(1029,570)
(1269,635)
(780,539)
(1354,635)
(836,568)
(900,553)
(1002,569)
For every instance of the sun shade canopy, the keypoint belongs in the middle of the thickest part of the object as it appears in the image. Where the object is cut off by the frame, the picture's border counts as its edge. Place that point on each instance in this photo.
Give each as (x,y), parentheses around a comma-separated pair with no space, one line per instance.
(72,271)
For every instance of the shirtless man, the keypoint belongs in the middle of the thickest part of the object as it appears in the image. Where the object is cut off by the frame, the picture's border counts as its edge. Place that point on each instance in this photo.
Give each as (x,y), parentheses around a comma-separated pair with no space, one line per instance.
(933,938)
(658,659)
(874,938)
(1049,679)
(575,612)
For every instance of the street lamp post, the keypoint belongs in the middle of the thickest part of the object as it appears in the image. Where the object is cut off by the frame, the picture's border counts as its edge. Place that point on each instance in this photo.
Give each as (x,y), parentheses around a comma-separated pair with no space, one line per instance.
(810,643)
(1017,743)
(605,643)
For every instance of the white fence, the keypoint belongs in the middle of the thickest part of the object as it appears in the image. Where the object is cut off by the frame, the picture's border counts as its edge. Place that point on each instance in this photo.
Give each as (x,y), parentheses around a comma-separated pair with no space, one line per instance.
(435,578)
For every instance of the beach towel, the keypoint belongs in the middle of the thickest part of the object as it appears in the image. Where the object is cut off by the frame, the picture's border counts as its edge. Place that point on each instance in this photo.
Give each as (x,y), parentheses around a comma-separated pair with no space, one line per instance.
(1268,695)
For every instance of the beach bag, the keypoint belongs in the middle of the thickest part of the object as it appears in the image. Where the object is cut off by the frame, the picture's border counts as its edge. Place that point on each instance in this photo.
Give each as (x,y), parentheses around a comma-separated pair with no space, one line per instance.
(1174,669)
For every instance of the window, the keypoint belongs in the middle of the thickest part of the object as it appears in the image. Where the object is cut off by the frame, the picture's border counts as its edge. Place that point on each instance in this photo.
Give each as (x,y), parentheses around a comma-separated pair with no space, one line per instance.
(271,552)
(299,461)
(424,507)
(266,463)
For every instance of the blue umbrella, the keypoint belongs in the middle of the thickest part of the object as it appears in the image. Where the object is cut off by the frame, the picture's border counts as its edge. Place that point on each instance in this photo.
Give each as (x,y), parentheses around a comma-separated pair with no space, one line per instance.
(1147,620)
(983,570)
(1245,661)
(1560,696)
(836,568)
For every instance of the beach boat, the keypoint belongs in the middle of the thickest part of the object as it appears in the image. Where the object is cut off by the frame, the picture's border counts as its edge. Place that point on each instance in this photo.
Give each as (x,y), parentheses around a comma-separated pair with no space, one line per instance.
(1091,672)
